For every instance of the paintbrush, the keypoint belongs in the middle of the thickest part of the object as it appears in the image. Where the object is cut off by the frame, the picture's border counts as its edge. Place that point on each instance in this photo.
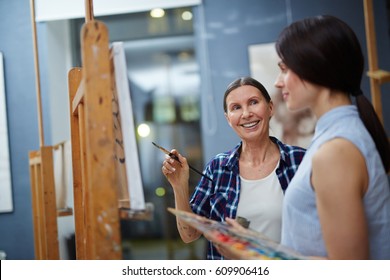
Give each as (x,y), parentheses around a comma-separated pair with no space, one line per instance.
(177,159)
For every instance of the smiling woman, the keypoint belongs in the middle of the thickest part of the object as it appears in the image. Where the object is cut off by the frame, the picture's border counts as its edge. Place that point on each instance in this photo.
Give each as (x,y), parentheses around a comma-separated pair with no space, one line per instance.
(5,173)
(247,181)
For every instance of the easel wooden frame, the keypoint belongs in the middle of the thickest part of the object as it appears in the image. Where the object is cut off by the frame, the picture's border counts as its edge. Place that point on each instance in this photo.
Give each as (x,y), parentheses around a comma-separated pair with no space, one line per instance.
(41,169)
(376,75)
(44,204)
(93,147)
(101,198)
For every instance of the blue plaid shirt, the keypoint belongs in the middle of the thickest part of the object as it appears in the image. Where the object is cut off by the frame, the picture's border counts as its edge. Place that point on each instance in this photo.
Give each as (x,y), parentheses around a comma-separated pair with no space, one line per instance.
(219,199)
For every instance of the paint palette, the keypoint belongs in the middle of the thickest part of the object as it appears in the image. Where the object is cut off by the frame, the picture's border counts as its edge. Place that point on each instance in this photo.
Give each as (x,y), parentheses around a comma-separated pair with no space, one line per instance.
(245,244)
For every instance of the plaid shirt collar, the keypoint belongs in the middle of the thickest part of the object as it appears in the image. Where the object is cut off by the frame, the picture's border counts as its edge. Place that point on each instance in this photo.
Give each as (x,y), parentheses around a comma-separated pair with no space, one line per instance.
(231,161)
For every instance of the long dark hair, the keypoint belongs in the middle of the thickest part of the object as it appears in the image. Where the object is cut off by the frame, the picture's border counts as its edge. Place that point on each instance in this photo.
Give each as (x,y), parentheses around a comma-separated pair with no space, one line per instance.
(245,81)
(324,50)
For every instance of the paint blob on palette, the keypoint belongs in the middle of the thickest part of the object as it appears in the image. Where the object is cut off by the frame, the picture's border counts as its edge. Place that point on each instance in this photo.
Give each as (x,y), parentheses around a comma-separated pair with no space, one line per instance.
(245,244)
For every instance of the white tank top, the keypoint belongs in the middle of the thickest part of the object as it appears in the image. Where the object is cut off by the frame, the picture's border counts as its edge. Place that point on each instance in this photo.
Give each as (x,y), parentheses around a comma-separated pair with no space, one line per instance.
(261,203)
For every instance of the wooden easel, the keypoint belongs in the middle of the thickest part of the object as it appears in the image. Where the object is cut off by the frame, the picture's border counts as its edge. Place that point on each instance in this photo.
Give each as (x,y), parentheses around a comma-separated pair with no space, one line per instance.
(100,197)
(376,75)
(44,207)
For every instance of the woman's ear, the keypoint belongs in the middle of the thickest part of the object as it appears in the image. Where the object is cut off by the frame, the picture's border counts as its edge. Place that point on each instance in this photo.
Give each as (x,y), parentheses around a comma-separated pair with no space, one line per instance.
(227,119)
(271,109)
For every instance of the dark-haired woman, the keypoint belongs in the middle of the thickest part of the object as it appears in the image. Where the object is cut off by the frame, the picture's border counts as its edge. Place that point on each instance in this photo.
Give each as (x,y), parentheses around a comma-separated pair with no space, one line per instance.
(338,204)
(250,179)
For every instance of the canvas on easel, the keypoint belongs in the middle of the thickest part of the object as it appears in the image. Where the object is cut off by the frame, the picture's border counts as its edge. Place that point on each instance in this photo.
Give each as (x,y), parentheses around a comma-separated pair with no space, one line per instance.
(127,158)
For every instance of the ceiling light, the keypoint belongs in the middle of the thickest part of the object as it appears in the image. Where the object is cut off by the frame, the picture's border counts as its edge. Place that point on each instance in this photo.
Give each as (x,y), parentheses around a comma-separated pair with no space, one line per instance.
(186,15)
(157,13)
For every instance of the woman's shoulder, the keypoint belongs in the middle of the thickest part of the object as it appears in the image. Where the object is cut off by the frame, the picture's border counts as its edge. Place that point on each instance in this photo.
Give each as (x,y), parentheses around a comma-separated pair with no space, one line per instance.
(290,156)
(286,148)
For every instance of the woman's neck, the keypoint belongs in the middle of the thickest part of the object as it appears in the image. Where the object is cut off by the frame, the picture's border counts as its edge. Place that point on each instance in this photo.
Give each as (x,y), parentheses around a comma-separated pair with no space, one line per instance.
(257,152)
(329,100)
(258,160)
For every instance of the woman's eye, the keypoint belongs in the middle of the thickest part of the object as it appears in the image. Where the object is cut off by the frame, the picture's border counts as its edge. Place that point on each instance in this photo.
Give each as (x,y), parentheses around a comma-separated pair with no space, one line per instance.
(283,68)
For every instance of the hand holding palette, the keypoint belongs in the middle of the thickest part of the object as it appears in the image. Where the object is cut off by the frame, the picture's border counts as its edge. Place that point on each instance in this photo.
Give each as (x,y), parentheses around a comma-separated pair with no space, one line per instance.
(243,243)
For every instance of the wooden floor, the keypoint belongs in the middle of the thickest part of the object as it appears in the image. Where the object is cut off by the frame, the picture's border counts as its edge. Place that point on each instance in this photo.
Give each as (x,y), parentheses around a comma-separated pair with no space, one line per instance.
(163,250)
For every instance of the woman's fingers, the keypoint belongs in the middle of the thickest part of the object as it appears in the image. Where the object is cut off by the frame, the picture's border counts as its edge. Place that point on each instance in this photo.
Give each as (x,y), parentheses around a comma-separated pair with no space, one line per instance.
(235,224)
(168,166)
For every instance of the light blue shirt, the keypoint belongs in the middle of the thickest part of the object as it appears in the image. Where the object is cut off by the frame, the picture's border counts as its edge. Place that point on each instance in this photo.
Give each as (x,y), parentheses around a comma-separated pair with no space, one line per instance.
(301,229)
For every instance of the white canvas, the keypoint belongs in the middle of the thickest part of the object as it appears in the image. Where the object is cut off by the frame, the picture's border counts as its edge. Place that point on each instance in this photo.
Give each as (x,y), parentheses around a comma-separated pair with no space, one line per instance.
(133,170)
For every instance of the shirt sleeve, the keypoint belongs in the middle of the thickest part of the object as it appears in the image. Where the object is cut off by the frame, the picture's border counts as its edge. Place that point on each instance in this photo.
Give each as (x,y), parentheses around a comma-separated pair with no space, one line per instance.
(200,200)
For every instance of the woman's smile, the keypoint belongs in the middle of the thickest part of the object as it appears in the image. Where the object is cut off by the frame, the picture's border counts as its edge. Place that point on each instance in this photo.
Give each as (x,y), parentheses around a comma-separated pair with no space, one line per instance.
(250,124)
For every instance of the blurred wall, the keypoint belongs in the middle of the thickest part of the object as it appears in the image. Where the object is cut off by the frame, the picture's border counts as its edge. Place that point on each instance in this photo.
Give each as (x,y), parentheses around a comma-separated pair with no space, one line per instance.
(225,30)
